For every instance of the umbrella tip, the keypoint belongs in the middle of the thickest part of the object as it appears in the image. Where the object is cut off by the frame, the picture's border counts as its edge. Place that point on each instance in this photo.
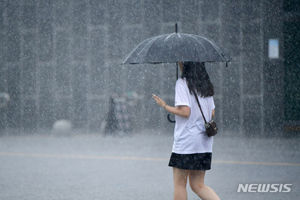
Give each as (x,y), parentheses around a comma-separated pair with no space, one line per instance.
(175,27)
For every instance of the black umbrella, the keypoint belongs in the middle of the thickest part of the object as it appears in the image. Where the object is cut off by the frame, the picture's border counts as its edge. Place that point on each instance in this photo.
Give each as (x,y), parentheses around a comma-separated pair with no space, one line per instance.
(175,47)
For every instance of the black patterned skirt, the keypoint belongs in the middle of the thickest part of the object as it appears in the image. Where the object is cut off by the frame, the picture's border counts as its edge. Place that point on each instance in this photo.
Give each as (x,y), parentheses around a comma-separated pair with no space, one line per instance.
(195,161)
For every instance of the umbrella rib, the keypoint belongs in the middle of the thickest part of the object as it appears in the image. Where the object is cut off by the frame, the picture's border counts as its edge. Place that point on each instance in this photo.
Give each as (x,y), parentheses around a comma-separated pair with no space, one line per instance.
(154,41)
(131,52)
(215,46)
(150,39)
(169,35)
(135,49)
(198,42)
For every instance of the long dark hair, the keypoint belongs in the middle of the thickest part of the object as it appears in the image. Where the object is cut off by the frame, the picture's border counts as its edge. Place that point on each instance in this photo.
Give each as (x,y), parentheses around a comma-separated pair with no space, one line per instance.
(197,78)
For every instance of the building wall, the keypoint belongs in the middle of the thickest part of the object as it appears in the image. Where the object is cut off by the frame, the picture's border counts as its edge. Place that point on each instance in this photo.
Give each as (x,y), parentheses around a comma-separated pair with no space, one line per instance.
(273,70)
(61,59)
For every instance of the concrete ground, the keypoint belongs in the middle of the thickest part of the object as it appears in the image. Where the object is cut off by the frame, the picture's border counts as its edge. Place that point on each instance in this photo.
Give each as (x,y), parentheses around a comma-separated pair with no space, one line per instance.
(92,166)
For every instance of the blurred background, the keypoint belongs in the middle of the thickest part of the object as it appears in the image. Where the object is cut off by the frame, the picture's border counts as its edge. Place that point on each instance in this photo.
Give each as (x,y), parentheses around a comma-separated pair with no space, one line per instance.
(61,60)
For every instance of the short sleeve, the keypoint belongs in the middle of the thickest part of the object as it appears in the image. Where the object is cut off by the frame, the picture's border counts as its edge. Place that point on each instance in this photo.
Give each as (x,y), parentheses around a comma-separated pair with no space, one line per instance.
(181,94)
(212,103)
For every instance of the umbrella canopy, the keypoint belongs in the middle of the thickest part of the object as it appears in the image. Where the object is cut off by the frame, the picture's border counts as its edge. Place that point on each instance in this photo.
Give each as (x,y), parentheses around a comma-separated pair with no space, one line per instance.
(174,47)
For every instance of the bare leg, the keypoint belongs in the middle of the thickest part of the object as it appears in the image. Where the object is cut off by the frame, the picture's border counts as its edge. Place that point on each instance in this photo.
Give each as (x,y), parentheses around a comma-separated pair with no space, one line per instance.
(180,180)
(196,178)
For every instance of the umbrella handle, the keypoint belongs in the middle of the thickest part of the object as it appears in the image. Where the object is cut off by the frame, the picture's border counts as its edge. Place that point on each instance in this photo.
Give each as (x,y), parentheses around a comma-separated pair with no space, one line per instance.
(169,119)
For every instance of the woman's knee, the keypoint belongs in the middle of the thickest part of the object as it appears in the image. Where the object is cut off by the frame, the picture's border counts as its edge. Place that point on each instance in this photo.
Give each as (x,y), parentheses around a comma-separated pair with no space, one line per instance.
(196,180)
(196,186)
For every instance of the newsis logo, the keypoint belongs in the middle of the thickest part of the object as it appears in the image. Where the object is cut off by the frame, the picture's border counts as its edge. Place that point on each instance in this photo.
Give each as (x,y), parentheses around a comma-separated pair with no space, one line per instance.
(264,187)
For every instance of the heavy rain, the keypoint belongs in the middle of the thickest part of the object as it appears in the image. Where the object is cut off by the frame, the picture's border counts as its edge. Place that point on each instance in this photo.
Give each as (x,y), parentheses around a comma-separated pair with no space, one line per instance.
(93,104)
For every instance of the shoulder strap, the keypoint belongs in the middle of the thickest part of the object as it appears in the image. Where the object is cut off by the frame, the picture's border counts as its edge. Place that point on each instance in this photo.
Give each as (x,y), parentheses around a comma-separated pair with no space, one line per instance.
(199,104)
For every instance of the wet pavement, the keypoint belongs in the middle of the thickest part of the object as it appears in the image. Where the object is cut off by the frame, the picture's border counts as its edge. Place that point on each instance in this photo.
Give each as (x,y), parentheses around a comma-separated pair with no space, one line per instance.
(92,166)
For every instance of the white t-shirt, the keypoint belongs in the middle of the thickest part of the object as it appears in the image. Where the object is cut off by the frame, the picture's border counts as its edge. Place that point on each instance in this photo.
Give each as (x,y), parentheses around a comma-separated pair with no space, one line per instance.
(189,133)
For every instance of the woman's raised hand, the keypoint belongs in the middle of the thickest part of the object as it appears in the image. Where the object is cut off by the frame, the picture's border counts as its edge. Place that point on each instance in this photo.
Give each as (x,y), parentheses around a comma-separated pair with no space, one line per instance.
(158,100)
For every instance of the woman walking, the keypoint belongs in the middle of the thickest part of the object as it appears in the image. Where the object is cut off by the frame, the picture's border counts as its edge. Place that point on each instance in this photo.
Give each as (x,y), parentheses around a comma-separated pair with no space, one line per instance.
(192,148)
